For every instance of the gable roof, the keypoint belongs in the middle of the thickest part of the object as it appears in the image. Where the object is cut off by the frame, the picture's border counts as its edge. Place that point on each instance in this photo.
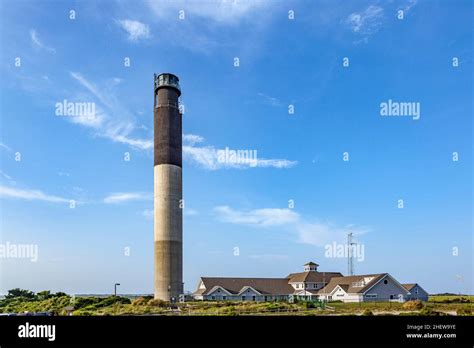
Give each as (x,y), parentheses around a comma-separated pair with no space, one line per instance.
(344,287)
(265,286)
(409,286)
(312,277)
(349,283)
(311,263)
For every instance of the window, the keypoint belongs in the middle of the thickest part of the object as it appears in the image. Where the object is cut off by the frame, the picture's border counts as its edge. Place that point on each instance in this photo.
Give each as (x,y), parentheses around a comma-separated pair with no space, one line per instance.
(218,291)
(265,298)
(416,291)
(253,298)
(243,298)
(224,297)
(371,295)
(213,297)
(385,281)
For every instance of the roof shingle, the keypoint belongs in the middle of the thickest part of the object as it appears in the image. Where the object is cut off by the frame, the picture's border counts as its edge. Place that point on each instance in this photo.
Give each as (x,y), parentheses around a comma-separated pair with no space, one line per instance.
(266,286)
(352,284)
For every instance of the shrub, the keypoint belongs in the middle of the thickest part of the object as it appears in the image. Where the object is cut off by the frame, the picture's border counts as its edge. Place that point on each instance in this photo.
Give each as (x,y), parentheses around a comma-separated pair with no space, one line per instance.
(230,311)
(276,305)
(60,294)
(413,305)
(462,300)
(108,301)
(139,301)
(464,311)
(17,292)
(43,295)
(158,303)
(451,299)
(427,311)
(81,302)
(367,312)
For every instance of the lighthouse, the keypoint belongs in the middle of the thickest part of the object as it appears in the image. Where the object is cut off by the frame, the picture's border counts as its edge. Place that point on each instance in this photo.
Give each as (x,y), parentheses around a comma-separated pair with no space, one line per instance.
(168,188)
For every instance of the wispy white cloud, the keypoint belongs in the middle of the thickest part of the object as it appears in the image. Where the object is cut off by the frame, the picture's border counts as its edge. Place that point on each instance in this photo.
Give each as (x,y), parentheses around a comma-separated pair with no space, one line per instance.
(6,176)
(95,121)
(5,147)
(275,163)
(407,7)
(268,100)
(136,30)
(218,11)
(117,128)
(207,157)
(312,232)
(30,195)
(257,217)
(366,22)
(121,197)
(200,31)
(105,99)
(148,214)
(143,144)
(37,42)
(192,139)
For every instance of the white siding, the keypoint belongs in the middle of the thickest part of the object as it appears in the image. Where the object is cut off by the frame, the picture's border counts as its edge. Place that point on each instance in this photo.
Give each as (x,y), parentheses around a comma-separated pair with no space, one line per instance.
(339,294)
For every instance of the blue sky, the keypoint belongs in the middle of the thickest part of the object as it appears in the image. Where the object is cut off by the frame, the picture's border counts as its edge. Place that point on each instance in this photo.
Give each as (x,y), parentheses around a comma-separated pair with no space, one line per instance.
(283,62)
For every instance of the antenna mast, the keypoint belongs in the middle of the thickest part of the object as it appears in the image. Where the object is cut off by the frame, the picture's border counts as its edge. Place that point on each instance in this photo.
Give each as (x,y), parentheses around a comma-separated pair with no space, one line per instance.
(350,259)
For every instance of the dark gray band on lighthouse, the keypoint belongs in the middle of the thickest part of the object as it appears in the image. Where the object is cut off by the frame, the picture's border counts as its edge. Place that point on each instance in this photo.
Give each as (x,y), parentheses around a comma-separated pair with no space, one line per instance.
(167,121)
(168,129)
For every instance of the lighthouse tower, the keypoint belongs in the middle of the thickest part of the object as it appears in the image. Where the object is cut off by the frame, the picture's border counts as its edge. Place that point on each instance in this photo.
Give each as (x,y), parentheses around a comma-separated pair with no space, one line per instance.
(168,187)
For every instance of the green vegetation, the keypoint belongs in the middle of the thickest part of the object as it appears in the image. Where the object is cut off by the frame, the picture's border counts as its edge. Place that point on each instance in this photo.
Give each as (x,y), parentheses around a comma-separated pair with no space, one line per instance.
(451,299)
(55,305)
(465,310)
(413,305)
(20,293)
(20,301)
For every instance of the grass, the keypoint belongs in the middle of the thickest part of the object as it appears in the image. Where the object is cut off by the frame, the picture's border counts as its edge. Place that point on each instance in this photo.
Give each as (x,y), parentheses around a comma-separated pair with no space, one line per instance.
(451,299)
(115,305)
